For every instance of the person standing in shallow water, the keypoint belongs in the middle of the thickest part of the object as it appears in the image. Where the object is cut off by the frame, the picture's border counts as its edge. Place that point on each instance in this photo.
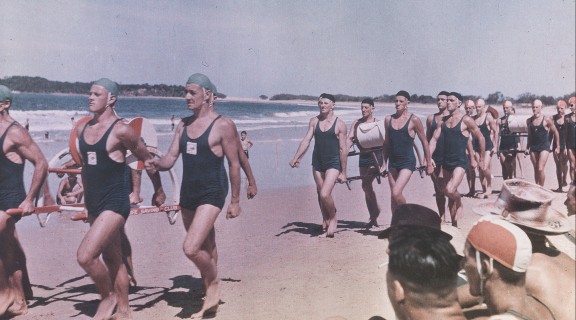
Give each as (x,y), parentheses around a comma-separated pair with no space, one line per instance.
(204,140)
(328,159)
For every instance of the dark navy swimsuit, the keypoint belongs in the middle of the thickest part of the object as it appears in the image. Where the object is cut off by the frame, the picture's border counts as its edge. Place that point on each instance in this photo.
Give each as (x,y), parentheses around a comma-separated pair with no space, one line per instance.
(326,154)
(508,140)
(570,133)
(560,128)
(12,191)
(400,148)
(204,179)
(538,137)
(454,146)
(105,185)
(485,130)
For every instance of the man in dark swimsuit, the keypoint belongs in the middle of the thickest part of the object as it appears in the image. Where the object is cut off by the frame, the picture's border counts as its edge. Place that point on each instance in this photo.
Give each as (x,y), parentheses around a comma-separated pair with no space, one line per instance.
(204,140)
(432,123)
(509,143)
(103,144)
(401,128)
(497,255)
(539,127)
(456,130)
(571,137)
(16,147)
(328,158)
(489,130)
(368,162)
(560,158)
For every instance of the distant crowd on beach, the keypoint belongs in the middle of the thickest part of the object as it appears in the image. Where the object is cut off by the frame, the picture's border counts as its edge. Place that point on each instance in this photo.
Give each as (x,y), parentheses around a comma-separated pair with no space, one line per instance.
(512,270)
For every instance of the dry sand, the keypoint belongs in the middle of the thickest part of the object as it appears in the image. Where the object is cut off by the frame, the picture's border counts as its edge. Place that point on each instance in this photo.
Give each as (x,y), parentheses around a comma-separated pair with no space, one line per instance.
(271,262)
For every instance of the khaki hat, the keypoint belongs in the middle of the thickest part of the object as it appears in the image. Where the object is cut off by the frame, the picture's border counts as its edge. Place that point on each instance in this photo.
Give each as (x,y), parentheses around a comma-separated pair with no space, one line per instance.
(528,205)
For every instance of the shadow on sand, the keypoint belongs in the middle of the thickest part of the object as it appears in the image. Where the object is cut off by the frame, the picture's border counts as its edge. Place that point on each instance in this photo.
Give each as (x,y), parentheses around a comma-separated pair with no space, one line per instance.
(314,230)
(186,293)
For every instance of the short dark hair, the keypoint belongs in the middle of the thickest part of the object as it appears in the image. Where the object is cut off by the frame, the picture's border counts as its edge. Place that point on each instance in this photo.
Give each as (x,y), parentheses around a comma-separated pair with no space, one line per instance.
(243,131)
(424,262)
(369,101)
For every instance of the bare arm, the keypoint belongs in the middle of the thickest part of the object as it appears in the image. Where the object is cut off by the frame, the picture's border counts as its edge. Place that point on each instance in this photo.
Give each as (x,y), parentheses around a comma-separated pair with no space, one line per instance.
(529,138)
(167,161)
(252,189)
(420,133)
(60,189)
(429,131)
(304,144)
(26,148)
(343,144)
(351,135)
(385,145)
(229,142)
(493,130)
(552,127)
(131,141)
(475,132)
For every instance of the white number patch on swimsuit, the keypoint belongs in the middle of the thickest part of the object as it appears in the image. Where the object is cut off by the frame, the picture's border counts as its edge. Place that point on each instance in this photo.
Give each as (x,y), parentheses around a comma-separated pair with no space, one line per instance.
(191,148)
(92,158)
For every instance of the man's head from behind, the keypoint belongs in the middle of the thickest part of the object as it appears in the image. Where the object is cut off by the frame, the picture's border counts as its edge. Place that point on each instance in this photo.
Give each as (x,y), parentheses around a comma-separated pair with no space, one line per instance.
(496,250)
(422,272)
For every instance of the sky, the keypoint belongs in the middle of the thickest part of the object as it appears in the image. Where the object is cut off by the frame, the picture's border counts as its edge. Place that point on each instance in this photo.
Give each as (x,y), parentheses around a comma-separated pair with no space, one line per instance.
(250,48)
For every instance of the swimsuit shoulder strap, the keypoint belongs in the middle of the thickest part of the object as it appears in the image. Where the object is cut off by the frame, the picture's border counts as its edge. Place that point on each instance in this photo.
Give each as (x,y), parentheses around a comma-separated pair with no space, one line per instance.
(6,131)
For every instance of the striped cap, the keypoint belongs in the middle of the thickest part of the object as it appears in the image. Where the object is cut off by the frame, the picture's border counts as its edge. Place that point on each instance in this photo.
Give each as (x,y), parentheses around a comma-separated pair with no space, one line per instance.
(503,242)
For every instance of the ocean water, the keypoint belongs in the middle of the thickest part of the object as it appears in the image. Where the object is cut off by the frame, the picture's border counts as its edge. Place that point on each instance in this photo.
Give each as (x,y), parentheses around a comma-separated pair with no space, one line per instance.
(275,128)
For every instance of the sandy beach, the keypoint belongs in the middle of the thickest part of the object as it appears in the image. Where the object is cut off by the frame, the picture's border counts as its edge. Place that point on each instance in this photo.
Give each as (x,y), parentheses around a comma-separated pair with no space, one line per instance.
(271,262)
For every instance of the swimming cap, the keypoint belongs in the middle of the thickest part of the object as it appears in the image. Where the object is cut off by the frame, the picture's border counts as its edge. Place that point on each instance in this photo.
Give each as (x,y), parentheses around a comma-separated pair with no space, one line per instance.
(444,93)
(457,95)
(561,103)
(5,93)
(107,84)
(571,100)
(404,94)
(503,242)
(203,81)
(469,103)
(328,96)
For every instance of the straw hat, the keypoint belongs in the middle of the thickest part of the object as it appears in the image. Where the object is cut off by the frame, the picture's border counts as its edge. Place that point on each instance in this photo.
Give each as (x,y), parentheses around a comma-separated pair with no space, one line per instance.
(528,205)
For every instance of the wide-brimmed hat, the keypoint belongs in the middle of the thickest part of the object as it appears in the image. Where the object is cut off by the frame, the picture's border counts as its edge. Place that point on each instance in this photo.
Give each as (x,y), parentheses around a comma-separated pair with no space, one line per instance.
(527,205)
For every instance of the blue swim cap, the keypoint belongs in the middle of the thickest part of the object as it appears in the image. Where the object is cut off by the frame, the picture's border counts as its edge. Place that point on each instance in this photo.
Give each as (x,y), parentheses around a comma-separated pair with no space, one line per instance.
(108,84)
(203,81)
(5,93)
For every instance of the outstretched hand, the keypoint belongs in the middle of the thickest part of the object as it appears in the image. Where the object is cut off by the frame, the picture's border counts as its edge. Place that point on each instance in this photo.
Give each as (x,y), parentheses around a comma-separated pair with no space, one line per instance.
(151,166)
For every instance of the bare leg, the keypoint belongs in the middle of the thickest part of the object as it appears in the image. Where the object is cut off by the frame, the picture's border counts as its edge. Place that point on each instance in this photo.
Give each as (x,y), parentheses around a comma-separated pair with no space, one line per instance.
(454,178)
(520,158)
(104,232)
(370,196)
(319,181)
(13,264)
(539,160)
(127,256)
(572,162)
(199,245)
(439,192)
(486,176)
(471,179)
(398,181)
(326,200)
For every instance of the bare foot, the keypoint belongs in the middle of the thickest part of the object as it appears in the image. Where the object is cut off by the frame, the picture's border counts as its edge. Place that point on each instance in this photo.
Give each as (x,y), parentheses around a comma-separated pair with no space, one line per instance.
(19,307)
(469,194)
(326,235)
(121,316)
(372,223)
(106,307)
(211,301)
(482,196)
